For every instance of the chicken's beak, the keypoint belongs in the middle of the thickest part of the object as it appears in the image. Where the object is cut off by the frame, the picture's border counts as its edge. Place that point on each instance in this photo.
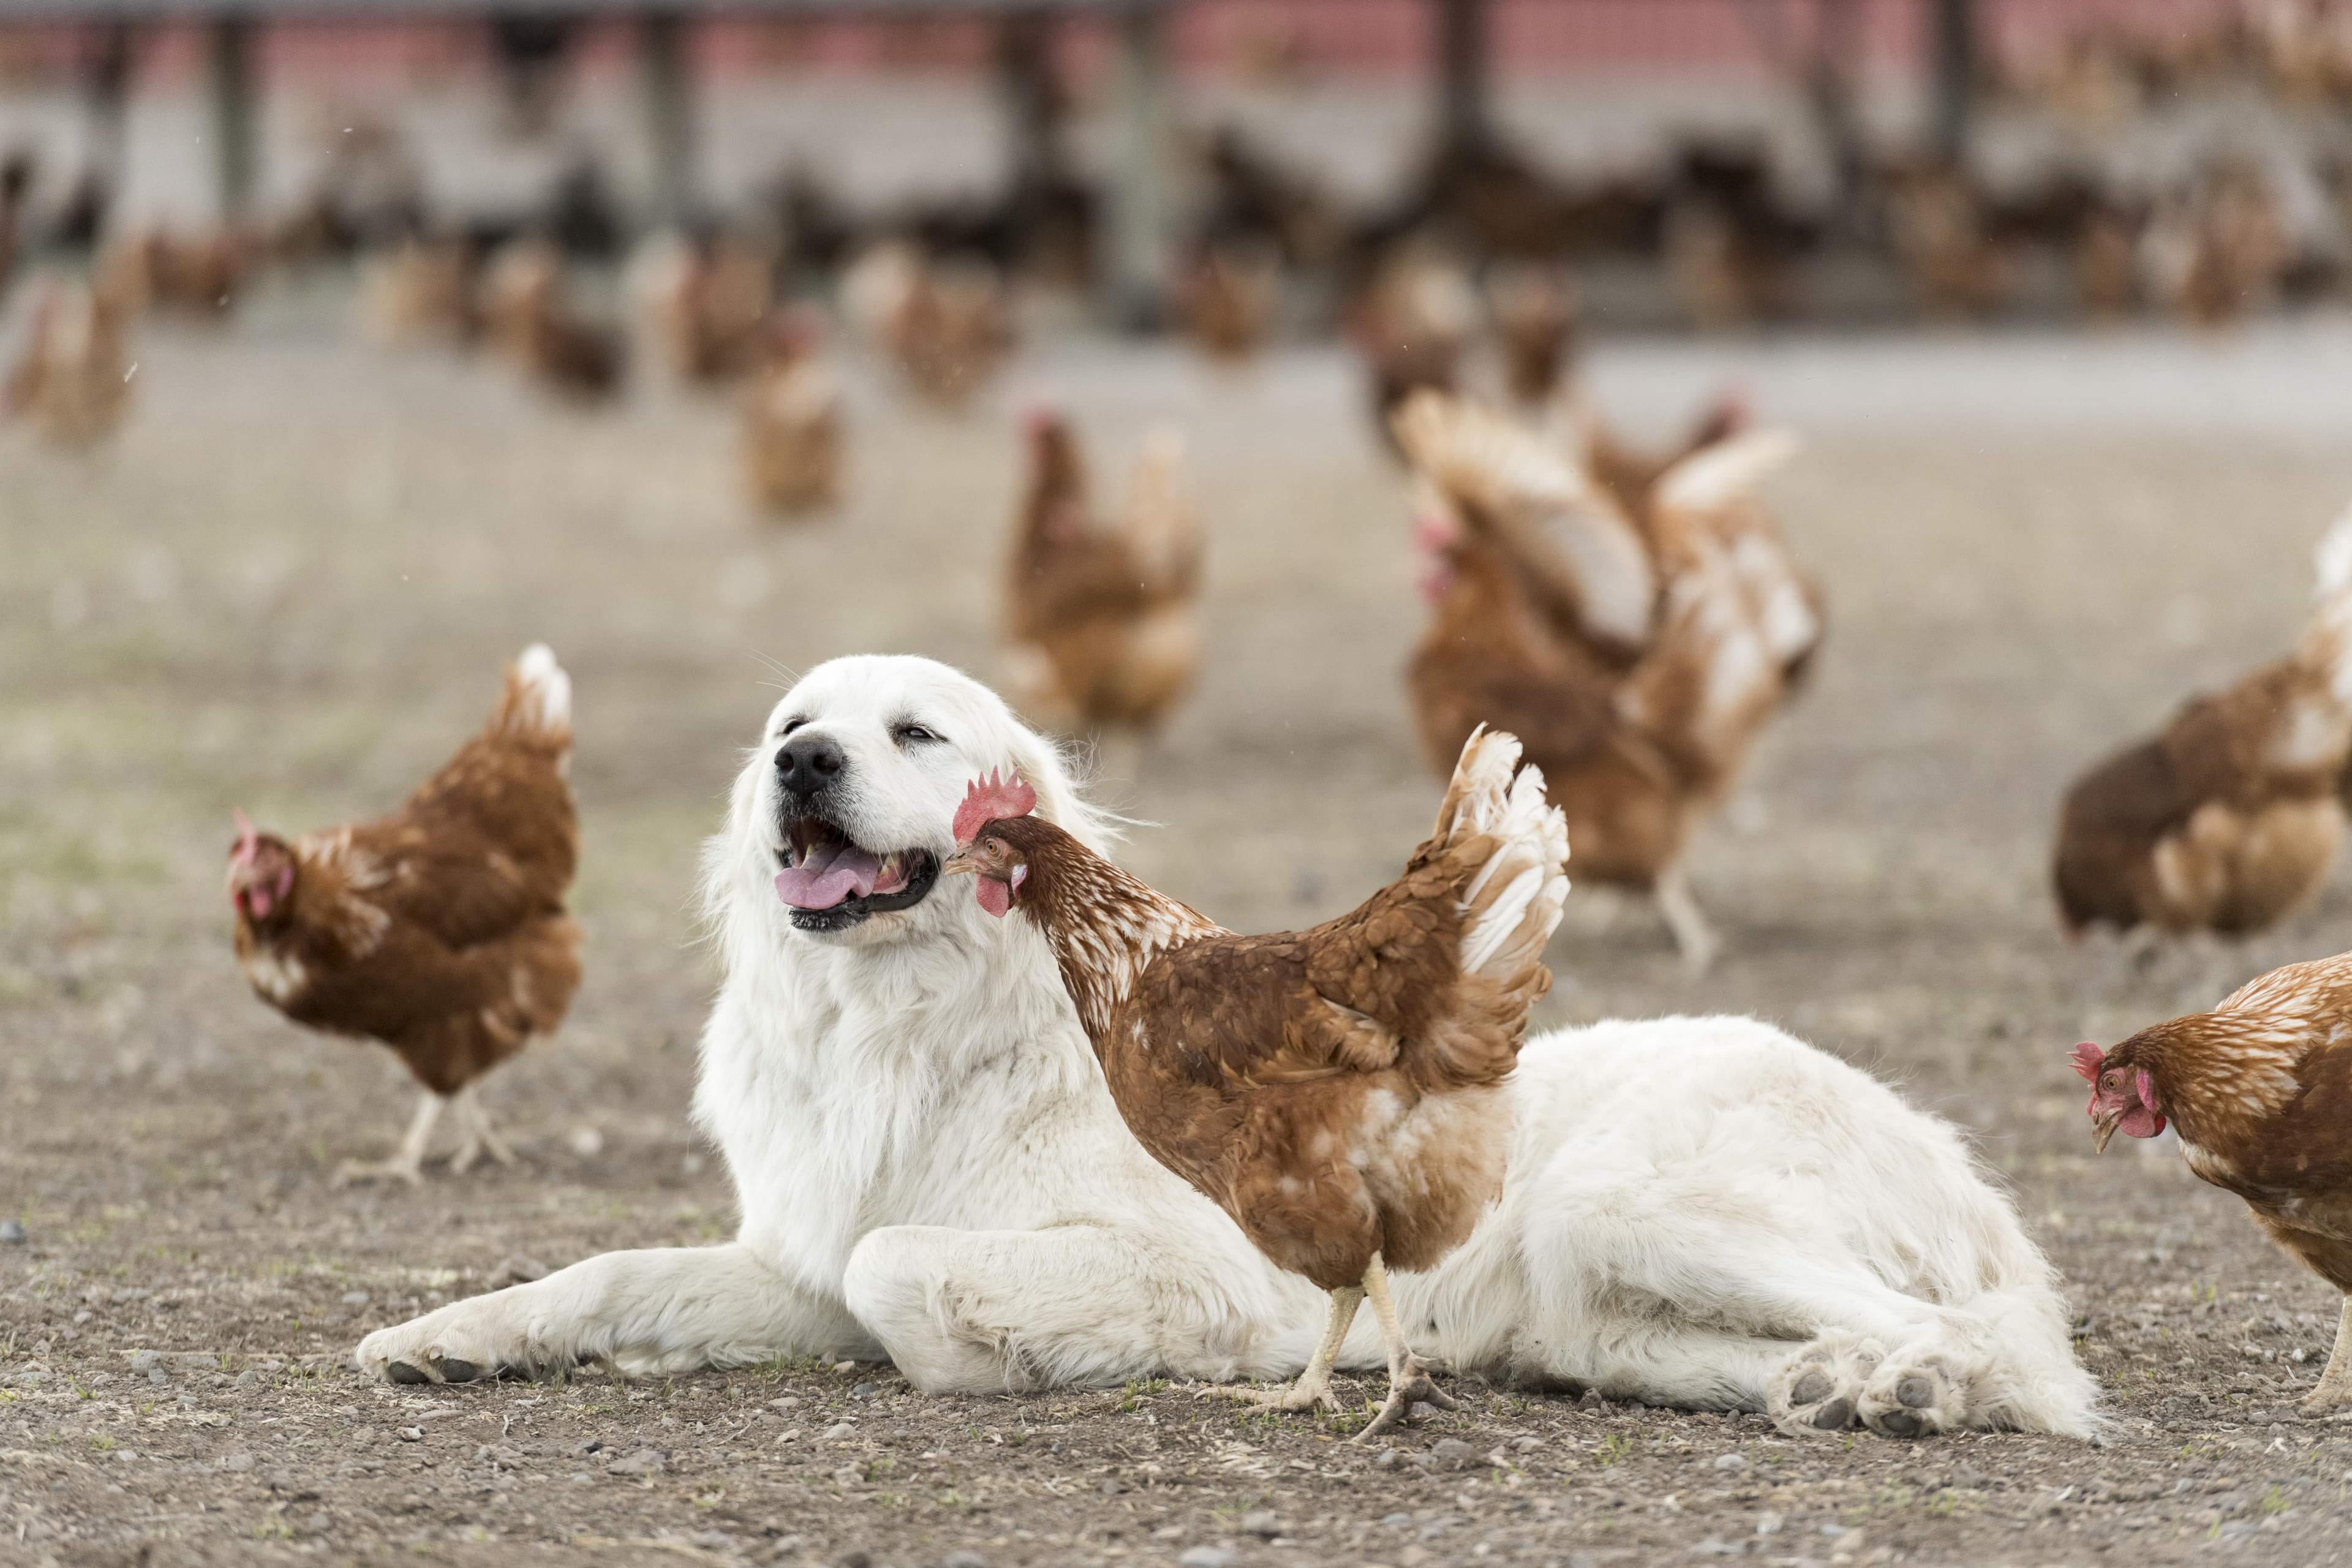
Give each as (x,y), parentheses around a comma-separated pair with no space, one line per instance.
(2104,1129)
(961,863)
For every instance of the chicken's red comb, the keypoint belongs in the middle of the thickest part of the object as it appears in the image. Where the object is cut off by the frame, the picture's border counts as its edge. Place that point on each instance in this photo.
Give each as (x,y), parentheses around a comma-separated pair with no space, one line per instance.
(992,799)
(2087,1057)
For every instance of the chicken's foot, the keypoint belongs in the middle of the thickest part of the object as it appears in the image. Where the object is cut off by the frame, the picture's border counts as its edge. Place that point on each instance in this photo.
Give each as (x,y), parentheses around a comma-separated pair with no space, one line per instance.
(2334,1391)
(408,1164)
(1408,1378)
(1313,1389)
(475,1136)
(1693,935)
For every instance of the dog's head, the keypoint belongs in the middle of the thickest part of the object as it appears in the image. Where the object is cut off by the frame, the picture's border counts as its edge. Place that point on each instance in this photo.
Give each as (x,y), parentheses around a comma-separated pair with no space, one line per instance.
(843,811)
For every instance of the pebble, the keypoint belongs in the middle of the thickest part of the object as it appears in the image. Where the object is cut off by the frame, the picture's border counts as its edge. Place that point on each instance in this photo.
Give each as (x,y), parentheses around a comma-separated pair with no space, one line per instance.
(237,1463)
(411,1434)
(838,1430)
(517,1269)
(788,1401)
(1732,1461)
(1206,1557)
(866,1391)
(1396,1520)
(1449,1454)
(248,1378)
(964,1559)
(1262,1522)
(644,1462)
(145,1361)
(844,1367)
(1387,1459)
(857,1557)
(1528,1444)
(586,1142)
(355,1298)
(12,1232)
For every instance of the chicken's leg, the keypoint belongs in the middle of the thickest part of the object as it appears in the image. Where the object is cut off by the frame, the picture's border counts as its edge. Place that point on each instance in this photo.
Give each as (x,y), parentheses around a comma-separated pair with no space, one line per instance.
(1408,1373)
(475,1138)
(2334,1390)
(408,1165)
(1313,1385)
(1683,918)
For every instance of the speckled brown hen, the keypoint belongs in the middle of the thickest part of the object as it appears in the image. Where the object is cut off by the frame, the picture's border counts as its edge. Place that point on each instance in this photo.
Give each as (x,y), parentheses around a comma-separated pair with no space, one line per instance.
(440,930)
(2260,1091)
(2228,817)
(1337,1091)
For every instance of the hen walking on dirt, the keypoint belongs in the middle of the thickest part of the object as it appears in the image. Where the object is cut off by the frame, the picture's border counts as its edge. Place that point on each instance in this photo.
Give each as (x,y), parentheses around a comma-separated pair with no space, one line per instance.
(440,930)
(2259,1089)
(1337,1091)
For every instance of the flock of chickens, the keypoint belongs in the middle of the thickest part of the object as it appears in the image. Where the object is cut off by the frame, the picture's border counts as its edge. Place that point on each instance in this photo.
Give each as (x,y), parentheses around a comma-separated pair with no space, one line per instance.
(1624,622)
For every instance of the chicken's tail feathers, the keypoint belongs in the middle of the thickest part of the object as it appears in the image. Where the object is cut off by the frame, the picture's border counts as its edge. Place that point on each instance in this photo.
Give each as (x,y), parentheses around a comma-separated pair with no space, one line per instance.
(1512,903)
(538,698)
(2329,643)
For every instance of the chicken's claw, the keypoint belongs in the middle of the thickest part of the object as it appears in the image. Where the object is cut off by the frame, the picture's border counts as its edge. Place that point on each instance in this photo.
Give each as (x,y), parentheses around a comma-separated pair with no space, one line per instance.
(1408,1385)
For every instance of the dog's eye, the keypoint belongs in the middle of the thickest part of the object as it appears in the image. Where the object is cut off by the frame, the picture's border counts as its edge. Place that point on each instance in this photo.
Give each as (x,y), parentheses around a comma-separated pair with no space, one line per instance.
(907,733)
(791,726)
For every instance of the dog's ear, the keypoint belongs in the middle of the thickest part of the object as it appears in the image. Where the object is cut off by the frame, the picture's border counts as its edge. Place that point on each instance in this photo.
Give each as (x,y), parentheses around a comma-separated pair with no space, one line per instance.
(1060,799)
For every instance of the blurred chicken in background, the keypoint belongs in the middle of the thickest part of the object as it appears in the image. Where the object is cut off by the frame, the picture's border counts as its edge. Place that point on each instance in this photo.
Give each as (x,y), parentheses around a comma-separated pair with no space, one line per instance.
(948,324)
(1411,323)
(793,423)
(1534,308)
(705,299)
(2228,818)
(1638,682)
(72,376)
(530,322)
(1102,618)
(1226,293)
(423,288)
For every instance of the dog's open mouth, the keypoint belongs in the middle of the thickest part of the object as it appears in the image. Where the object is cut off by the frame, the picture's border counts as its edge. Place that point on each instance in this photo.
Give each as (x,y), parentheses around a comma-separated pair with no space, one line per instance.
(831,883)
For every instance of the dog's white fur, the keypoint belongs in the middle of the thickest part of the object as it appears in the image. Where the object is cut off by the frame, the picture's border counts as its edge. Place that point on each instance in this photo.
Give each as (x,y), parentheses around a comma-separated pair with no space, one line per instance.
(1699,1212)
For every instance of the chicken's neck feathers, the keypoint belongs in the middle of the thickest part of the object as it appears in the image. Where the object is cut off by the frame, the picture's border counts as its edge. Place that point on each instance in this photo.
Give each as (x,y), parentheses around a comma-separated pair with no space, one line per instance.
(1106,927)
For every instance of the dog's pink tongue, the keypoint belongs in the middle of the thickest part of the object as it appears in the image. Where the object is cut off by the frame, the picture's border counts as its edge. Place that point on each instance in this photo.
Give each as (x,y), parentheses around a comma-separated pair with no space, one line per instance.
(828,875)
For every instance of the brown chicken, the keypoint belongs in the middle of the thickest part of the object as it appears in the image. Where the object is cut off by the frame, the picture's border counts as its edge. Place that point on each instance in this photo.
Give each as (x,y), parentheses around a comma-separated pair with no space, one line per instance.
(2260,1091)
(1638,684)
(793,424)
(1103,625)
(707,300)
(422,289)
(2229,818)
(1939,222)
(72,380)
(2219,250)
(1413,325)
(1534,309)
(1337,1091)
(1227,296)
(439,930)
(947,323)
(531,322)
(155,268)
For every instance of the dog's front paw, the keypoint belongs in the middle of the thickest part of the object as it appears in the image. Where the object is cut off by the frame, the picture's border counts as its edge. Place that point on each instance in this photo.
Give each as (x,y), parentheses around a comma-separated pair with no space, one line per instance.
(459,1343)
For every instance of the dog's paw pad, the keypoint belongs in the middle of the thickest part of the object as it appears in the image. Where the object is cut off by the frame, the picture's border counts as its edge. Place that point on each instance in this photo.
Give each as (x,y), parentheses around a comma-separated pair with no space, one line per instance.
(456,1371)
(1913,1399)
(1817,1390)
(401,1372)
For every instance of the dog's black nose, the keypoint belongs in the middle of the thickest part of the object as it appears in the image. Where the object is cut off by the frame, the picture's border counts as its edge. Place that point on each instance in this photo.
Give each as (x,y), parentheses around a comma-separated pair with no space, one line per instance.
(809,764)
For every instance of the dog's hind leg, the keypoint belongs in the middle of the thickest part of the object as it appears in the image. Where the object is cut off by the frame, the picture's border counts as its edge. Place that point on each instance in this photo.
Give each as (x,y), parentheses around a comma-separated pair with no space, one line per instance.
(655,1312)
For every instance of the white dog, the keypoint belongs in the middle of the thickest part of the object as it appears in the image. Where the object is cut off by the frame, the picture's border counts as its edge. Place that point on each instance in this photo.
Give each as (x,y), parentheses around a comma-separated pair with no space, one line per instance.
(1699,1212)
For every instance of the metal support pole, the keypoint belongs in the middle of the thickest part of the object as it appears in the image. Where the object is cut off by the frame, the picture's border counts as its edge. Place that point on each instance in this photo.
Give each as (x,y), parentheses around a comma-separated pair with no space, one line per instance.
(1462,66)
(233,120)
(1031,98)
(669,114)
(1955,59)
(1140,236)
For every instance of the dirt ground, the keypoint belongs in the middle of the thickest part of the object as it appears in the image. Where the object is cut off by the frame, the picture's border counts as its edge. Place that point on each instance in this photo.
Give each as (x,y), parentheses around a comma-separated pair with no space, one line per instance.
(289,587)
